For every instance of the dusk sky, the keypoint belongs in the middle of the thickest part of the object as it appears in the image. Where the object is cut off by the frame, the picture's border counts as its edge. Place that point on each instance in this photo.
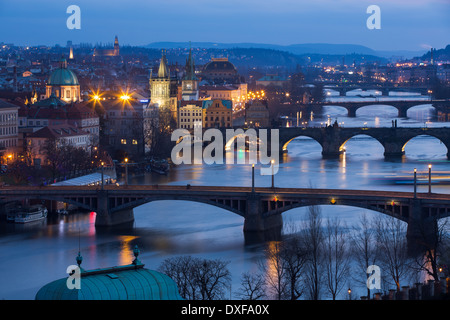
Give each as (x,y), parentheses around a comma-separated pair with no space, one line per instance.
(405,24)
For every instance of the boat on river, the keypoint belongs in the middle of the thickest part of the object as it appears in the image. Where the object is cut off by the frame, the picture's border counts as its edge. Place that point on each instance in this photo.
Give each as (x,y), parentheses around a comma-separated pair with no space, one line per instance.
(28,214)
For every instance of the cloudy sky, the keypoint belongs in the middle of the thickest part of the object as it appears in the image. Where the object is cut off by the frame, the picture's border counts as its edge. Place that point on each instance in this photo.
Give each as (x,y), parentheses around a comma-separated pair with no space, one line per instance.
(405,24)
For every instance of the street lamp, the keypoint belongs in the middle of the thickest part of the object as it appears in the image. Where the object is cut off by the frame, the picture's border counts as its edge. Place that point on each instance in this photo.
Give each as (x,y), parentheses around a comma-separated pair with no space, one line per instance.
(126,171)
(349,294)
(102,174)
(415,182)
(272,163)
(429,178)
(253,177)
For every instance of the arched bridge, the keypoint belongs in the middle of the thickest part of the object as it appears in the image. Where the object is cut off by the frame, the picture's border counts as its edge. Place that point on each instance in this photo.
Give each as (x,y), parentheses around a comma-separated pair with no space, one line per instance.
(333,138)
(402,106)
(261,208)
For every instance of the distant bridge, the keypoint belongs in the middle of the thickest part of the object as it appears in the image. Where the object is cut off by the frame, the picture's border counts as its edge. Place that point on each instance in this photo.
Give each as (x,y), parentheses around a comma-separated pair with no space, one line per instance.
(402,106)
(333,138)
(385,88)
(261,208)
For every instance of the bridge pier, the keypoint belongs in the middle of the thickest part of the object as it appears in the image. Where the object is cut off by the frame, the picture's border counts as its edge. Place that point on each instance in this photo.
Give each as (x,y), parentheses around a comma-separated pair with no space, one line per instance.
(421,234)
(106,218)
(260,228)
(402,112)
(351,112)
(393,150)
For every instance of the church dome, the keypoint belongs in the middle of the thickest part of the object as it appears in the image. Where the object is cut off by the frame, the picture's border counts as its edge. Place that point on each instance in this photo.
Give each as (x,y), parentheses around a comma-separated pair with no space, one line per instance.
(63,76)
(128,282)
(220,64)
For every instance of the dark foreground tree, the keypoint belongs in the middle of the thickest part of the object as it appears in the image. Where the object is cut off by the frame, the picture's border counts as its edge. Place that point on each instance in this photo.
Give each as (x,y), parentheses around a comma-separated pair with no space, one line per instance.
(198,279)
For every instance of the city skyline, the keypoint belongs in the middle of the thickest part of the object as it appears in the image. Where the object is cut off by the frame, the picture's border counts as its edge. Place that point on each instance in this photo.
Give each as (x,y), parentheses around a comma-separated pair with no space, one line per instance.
(412,25)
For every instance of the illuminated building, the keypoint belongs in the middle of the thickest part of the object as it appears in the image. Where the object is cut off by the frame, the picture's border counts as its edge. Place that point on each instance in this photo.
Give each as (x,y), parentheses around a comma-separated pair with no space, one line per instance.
(190,81)
(190,114)
(161,88)
(217,114)
(102,52)
(8,131)
(63,83)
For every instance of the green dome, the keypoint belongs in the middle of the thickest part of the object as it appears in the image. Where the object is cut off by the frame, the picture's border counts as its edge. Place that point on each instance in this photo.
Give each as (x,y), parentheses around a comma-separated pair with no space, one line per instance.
(63,76)
(132,282)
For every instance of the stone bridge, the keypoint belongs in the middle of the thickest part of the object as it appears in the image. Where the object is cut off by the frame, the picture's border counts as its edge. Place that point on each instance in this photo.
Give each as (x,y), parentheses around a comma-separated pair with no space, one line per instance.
(402,106)
(333,138)
(261,208)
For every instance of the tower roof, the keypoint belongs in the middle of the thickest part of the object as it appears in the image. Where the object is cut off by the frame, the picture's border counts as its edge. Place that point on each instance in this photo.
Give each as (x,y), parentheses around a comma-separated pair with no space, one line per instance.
(190,67)
(163,71)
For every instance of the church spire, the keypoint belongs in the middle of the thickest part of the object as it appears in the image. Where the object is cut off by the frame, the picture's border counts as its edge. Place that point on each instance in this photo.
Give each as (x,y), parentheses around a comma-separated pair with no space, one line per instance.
(190,66)
(163,71)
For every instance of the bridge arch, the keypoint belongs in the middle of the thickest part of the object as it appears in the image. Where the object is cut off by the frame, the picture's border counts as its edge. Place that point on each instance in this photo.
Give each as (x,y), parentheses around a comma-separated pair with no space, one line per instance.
(393,211)
(426,135)
(237,208)
(417,106)
(285,144)
(377,106)
(343,146)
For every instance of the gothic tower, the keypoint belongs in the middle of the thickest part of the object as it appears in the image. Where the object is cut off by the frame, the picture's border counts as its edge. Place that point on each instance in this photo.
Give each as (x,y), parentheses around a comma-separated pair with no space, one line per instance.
(189,84)
(116,46)
(160,85)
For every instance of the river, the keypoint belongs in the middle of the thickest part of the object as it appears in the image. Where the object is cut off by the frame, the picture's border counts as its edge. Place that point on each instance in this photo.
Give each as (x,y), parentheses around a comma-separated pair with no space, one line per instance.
(32,256)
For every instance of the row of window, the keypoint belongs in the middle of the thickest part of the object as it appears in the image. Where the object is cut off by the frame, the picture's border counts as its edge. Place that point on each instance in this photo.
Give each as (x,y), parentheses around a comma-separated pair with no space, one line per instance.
(8,130)
(8,143)
(8,117)
(124,141)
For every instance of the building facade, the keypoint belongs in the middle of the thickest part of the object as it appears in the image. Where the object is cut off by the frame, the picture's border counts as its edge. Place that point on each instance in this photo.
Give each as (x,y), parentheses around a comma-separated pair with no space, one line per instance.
(190,114)
(63,83)
(217,114)
(257,114)
(9,131)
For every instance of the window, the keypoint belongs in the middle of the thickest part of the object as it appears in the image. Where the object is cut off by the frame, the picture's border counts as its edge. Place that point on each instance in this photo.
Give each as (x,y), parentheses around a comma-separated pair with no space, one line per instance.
(123,141)
(134,141)
(67,93)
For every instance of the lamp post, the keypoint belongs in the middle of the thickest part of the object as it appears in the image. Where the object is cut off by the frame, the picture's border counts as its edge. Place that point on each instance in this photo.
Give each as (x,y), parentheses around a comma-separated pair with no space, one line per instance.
(126,171)
(429,178)
(349,294)
(415,183)
(272,162)
(102,174)
(253,177)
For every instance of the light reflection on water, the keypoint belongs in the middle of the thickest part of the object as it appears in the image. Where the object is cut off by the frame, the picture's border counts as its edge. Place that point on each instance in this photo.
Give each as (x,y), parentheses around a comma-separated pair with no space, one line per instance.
(169,228)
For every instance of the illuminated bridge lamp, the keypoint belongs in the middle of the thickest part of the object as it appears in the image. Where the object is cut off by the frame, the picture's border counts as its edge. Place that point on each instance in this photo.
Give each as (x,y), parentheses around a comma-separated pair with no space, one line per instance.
(333,201)
(429,178)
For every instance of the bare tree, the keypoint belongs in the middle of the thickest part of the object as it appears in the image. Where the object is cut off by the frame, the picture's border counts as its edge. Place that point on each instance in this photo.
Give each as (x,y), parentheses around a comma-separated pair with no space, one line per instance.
(391,240)
(253,287)
(273,269)
(336,257)
(198,279)
(312,238)
(294,256)
(433,239)
(364,247)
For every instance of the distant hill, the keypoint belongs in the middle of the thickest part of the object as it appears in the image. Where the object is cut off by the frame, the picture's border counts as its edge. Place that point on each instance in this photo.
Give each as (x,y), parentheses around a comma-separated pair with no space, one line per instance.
(440,54)
(298,49)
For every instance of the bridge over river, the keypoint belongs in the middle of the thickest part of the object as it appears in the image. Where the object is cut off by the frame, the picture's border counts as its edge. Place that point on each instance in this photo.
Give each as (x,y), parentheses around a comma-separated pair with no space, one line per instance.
(261,208)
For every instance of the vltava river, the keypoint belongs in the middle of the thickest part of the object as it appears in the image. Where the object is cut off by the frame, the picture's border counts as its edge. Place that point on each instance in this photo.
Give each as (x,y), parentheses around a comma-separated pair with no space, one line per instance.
(32,256)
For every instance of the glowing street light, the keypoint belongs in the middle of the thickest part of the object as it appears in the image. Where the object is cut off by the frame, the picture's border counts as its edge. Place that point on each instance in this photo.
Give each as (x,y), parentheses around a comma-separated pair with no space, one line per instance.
(126,171)
(429,178)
